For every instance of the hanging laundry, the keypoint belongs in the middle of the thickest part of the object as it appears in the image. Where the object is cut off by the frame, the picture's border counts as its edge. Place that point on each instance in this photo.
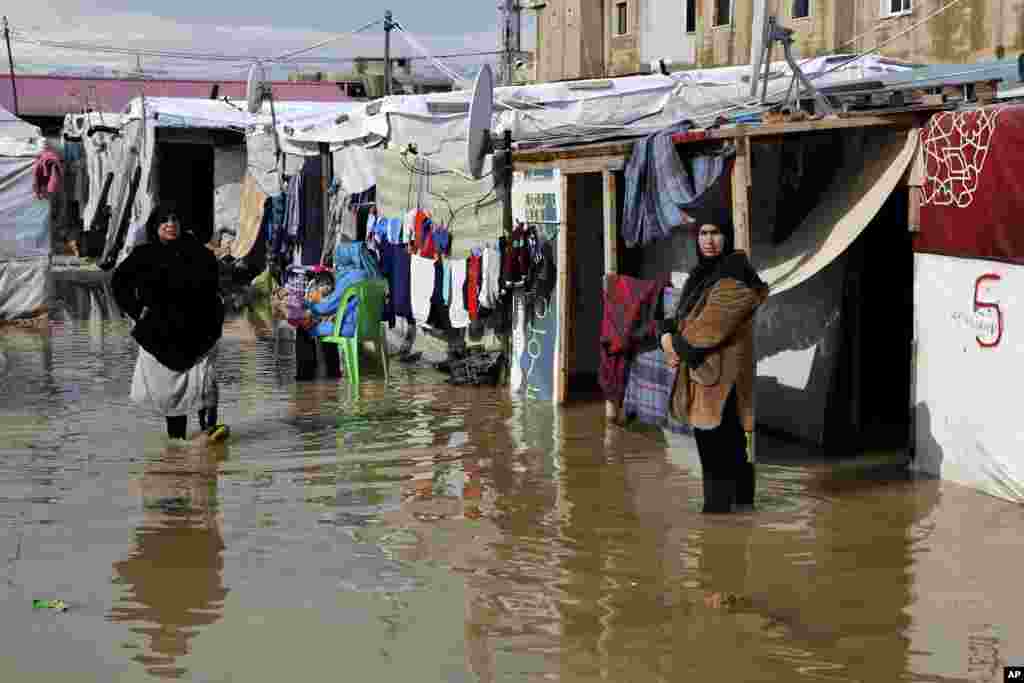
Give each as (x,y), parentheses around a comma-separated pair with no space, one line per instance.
(471,295)
(649,387)
(418,236)
(446,293)
(490,291)
(408,227)
(442,239)
(371,222)
(46,174)
(438,316)
(630,307)
(660,188)
(541,278)
(427,248)
(311,230)
(400,281)
(421,275)
(294,208)
(394,231)
(457,313)
(515,259)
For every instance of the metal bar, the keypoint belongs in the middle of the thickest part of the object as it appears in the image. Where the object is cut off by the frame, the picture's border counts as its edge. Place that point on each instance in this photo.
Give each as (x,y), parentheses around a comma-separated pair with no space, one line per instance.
(388,26)
(10,62)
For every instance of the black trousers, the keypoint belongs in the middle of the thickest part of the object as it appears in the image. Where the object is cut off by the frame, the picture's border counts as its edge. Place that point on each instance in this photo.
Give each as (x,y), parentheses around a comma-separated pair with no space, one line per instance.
(305,357)
(723,458)
(177,427)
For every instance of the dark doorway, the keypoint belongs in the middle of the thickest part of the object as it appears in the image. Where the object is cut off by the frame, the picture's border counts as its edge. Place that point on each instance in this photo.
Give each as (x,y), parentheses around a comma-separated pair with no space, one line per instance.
(875,374)
(586,284)
(186,178)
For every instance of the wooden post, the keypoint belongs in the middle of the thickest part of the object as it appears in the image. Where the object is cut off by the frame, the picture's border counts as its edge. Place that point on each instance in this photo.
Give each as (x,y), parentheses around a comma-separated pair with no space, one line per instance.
(326,176)
(562,348)
(611,244)
(741,183)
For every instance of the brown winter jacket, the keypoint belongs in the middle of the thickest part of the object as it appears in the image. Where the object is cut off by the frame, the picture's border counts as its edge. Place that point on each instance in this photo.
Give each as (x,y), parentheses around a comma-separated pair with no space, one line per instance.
(722,323)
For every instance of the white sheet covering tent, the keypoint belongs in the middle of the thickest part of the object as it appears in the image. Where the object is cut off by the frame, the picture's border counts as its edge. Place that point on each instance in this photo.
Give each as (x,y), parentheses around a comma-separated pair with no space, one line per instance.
(132,154)
(24,222)
(559,113)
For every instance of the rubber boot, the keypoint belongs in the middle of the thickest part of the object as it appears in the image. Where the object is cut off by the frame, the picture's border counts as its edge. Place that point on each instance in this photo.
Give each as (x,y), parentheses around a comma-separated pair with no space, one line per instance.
(177,427)
(746,479)
(719,495)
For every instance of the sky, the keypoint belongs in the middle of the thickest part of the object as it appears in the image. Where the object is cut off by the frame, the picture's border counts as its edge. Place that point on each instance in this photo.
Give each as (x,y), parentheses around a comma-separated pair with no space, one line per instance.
(238,28)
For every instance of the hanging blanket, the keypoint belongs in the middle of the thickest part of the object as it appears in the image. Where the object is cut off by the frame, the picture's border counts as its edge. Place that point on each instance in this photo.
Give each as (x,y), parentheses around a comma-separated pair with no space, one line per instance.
(660,187)
(649,387)
(629,320)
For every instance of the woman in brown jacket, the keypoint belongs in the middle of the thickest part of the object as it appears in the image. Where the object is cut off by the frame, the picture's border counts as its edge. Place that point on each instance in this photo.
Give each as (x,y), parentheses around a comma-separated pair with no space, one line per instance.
(710,340)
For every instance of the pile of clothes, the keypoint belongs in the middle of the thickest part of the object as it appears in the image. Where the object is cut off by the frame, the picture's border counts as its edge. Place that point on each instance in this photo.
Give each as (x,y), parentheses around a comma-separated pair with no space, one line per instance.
(323,289)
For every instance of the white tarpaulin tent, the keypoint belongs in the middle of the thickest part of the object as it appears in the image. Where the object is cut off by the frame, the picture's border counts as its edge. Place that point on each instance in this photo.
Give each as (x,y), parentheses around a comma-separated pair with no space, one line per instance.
(24,222)
(560,113)
(132,155)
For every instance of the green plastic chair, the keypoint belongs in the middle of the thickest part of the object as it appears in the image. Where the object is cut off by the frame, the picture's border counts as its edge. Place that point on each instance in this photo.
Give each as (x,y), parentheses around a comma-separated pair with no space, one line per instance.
(369,326)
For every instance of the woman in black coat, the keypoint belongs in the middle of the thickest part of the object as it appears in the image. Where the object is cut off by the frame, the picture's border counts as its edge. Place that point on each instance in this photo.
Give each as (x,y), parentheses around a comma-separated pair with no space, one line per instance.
(170,287)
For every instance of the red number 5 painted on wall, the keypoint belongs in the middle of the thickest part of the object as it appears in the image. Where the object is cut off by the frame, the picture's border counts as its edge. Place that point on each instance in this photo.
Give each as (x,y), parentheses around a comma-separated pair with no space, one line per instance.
(979,305)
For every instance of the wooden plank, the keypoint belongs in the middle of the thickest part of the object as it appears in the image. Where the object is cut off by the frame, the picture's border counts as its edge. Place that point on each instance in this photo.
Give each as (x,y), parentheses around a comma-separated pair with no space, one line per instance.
(587,164)
(741,187)
(611,246)
(562,348)
(741,198)
(604,152)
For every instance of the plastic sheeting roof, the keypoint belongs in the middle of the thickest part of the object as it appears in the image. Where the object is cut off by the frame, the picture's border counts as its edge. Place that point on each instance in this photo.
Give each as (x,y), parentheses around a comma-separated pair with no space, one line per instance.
(18,138)
(182,112)
(559,113)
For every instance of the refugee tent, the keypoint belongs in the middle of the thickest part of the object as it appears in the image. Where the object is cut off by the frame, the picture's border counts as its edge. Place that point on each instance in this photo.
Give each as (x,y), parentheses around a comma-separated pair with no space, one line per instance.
(192,152)
(102,147)
(968,280)
(24,222)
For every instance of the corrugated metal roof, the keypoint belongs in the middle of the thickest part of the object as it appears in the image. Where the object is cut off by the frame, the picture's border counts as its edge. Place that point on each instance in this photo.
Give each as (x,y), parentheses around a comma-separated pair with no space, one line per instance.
(60,95)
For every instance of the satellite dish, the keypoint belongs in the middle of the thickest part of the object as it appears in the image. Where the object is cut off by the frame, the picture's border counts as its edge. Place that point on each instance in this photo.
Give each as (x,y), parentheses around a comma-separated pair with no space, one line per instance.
(255,89)
(481,107)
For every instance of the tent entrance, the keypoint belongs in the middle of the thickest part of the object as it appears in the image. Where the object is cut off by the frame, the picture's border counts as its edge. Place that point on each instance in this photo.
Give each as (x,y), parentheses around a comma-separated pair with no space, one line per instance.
(872,412)
(186,179)
(586,284)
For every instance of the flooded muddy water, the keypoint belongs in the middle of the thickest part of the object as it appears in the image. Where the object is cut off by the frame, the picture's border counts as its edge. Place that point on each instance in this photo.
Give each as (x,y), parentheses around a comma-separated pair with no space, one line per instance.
(420,531)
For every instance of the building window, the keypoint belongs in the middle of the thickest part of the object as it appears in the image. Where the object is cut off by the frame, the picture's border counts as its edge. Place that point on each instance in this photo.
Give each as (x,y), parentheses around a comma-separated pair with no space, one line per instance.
(691,16)
(621,19)
(723,12)
(892,8)
(801,9)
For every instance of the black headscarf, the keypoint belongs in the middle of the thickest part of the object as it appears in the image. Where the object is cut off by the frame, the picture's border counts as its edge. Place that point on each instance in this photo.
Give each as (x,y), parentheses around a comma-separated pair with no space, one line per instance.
(161,213)
(729,264)
(177,283)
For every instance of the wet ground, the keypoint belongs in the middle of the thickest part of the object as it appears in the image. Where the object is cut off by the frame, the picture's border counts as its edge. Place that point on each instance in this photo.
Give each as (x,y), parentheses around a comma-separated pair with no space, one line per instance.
(425,532)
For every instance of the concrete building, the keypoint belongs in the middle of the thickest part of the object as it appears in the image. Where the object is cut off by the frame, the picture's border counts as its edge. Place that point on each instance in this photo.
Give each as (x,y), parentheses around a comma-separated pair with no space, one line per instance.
(600,38)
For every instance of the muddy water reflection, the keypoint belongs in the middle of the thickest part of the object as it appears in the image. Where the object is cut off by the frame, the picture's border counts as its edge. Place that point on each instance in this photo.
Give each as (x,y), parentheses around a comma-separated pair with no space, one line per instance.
(452,534)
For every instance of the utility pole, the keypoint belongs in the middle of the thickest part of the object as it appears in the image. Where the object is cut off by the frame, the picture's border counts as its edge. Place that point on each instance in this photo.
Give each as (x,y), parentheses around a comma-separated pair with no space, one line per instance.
(510,38)
(10,61)
(389,26)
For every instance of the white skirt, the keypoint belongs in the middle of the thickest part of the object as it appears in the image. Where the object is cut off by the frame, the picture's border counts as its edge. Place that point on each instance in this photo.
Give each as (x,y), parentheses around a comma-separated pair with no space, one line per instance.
(171,393)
